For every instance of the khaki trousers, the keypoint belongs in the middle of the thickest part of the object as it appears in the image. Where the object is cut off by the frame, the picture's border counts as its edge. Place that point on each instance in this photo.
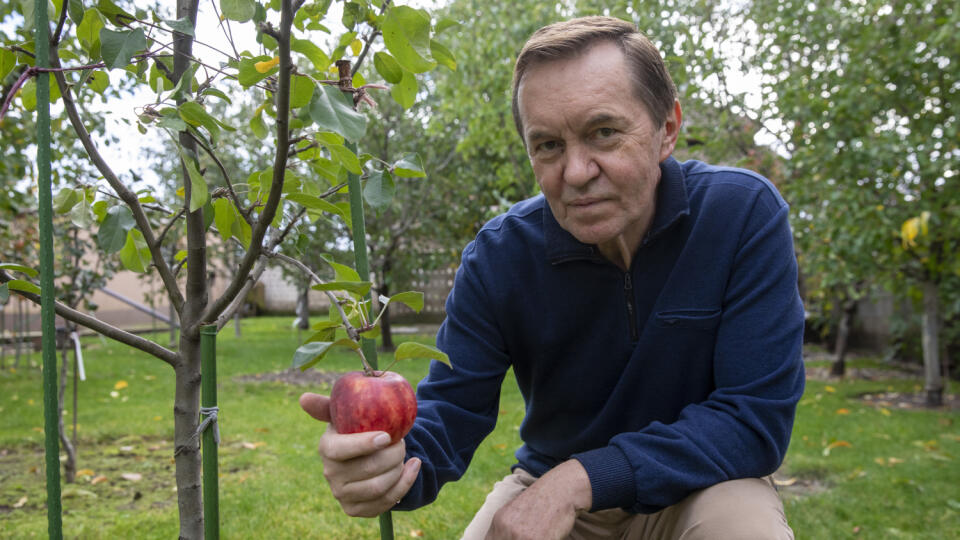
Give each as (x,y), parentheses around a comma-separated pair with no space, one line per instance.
(738,509)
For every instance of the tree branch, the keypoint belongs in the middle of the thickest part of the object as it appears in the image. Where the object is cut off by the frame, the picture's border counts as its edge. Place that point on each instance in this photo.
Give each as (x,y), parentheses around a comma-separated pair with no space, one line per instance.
(103,328)
(369,40)
(215,308)
(352,332)
(127,196)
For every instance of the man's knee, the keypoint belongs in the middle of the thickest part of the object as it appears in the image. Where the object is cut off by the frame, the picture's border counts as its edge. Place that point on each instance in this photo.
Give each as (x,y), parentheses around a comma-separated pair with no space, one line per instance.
(739,509)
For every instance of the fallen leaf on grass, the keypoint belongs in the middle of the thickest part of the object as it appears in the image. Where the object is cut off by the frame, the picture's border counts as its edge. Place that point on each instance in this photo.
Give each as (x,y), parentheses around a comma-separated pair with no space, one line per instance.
(98,480)
(252,445)
(262,430)
(843,411)
(502,446)
(38,429)
(20,503)
(416,533)
(783,483)
(830,389)
(120,385)
(73,491)
(132,476)
(885,411)
(835,444)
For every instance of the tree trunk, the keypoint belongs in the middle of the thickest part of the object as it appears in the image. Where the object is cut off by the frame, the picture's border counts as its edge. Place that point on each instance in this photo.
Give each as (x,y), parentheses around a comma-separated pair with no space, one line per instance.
(186,414)
(303,307)
(839,368)
(933,379)
(70,465)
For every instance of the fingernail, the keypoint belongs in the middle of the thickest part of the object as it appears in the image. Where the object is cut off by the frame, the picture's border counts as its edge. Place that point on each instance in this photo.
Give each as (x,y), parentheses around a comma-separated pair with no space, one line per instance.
(381,440)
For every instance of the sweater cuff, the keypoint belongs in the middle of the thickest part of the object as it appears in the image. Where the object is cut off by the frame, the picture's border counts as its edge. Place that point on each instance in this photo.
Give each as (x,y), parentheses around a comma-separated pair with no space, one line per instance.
(611,478)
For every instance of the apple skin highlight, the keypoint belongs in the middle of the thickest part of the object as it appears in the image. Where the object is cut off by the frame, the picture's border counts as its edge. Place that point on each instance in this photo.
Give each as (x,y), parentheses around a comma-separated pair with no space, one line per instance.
(380,401)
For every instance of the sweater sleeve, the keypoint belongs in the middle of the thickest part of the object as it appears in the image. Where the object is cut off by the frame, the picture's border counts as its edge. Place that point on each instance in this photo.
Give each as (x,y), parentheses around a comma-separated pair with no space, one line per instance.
(458,407)
(743,428)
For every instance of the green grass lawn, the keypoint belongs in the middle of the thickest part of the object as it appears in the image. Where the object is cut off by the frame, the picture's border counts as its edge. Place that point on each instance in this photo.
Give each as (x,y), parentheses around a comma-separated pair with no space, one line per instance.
(854,470)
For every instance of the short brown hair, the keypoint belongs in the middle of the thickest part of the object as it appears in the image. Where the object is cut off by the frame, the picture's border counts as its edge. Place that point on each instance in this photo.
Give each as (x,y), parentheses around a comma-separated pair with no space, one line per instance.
(652,84)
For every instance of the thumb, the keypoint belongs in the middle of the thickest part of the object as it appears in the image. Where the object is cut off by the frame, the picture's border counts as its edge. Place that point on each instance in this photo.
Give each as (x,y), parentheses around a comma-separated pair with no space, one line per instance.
(316,405)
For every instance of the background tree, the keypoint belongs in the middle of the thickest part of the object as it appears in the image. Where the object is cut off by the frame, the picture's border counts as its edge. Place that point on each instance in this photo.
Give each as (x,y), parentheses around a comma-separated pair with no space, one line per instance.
(868,92)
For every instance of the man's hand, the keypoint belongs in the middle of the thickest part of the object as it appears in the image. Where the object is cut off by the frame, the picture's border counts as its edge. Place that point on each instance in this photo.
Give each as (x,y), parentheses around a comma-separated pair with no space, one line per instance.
(366,473)
(547,509)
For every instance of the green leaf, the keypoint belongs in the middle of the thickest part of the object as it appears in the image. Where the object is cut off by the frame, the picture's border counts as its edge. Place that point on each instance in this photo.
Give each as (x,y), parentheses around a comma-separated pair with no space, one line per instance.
(99,81)
(248,75)
(82,214)
(379,189)
(118,47)
(223,216)
(195,114)
(301,91)
(332,110)
(20,268)
(345,157)
(387,67)
(358,288)
(409,349)
(258,127)
(238,10)
(243,231)
(341,271)
(112,234)
(198,186)
(405,93)
(315,54)
(23,285)
(309,354)
(75,11)
(8,61)
(135,254)
(65,199)
(406,33)
(409,166)
(113,12)
(443,55)
(88,31)
(411,299)
(315,203)
(184,26)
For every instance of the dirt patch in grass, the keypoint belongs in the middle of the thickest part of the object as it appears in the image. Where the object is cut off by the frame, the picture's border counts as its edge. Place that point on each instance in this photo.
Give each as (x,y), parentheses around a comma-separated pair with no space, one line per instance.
(292,376)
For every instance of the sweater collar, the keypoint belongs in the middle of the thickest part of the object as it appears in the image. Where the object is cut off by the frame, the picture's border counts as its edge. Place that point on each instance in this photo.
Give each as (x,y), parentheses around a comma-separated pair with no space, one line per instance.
(672,205)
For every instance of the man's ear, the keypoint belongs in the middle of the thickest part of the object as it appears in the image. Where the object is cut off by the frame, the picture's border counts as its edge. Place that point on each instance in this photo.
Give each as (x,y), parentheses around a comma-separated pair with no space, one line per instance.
(671,130)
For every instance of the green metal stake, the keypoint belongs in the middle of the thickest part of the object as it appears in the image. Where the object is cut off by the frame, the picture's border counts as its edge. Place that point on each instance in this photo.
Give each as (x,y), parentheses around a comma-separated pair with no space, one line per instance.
(47,313)
(208,403)
(368,346)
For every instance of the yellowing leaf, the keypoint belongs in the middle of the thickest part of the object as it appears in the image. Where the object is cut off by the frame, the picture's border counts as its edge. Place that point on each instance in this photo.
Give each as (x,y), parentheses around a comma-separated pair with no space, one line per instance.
(416,533)
(20,502)
(267,65)
(843,411)
(835,444)
(132,476)
(120,385)
(356,46)
(909,231)
(885,411)
(85,472)
(783,483)
(98,480)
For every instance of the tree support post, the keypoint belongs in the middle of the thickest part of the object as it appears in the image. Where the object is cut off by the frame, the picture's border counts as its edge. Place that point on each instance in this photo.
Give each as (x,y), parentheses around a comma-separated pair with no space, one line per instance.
(47,313)
(368,346)
(209,427)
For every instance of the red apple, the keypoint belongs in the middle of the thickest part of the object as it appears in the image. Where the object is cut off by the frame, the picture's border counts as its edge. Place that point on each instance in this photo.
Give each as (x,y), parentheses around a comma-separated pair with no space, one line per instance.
(378,401)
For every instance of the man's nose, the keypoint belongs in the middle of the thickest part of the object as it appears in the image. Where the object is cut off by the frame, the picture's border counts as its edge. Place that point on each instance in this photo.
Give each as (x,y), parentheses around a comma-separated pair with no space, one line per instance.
(579,166)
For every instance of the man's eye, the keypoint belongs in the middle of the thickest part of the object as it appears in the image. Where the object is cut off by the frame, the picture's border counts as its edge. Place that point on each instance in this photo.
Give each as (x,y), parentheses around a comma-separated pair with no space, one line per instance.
(548,146)
(605,132)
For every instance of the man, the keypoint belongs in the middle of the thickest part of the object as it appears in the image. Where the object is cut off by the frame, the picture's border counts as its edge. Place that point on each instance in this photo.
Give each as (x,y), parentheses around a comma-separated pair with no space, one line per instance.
(648,308)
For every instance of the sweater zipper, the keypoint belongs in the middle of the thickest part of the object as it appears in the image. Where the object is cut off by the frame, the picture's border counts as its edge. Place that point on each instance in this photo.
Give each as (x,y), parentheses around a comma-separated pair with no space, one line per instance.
(631,306)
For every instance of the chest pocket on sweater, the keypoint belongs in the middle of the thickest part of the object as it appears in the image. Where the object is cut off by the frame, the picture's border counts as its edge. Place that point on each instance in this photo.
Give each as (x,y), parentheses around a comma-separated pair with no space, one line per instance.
(694,319)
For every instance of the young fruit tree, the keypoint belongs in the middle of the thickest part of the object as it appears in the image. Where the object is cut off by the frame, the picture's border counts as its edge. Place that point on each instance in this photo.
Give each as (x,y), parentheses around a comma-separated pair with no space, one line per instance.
(304,75)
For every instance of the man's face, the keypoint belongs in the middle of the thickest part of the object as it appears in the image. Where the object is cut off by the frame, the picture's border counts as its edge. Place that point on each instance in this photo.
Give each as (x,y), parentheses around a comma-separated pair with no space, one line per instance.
(593,146)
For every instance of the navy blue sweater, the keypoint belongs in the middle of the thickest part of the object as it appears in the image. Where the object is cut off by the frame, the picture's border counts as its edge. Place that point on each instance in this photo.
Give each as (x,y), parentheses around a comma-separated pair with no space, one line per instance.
(679,374)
